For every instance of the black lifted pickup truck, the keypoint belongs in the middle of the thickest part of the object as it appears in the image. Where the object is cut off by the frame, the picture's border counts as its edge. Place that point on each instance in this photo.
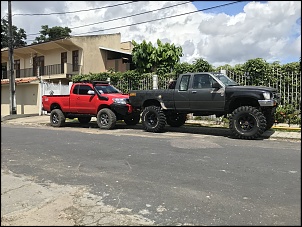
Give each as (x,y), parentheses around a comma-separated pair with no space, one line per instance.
(250,109)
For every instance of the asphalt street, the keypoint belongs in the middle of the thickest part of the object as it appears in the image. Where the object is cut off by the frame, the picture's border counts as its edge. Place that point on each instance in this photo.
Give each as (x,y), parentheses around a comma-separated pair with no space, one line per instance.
(132,177)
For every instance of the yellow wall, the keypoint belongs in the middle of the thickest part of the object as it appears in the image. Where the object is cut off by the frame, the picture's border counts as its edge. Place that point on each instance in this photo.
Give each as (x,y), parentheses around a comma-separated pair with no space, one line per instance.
(93,60)
(27,99)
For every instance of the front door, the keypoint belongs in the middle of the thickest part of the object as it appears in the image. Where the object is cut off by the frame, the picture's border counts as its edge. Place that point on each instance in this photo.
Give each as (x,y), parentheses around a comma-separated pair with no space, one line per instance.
(181,97)
(38,62)
(63,60)
(203,97)
(84,102)
(17,68)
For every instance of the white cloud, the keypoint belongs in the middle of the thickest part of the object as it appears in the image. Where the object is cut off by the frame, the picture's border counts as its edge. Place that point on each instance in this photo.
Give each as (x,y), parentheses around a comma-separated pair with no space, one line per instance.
(266,30)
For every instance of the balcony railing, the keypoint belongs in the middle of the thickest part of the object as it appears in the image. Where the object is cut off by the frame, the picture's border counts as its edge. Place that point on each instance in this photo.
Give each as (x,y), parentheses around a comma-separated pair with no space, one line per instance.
(48,70)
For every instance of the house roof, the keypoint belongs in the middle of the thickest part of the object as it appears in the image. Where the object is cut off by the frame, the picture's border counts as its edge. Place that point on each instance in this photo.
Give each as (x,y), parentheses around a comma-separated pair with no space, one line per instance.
(20,80)
(113,50)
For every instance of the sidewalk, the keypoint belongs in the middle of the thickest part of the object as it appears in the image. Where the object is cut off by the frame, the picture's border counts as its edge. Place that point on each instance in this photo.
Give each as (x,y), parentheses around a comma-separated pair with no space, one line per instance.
(294,132)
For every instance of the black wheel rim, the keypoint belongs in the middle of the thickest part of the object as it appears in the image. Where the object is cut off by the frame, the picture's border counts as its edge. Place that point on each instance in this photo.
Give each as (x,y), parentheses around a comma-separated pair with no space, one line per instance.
(104,119)
(246,122)
(174,119)
(55,119)
(151,119)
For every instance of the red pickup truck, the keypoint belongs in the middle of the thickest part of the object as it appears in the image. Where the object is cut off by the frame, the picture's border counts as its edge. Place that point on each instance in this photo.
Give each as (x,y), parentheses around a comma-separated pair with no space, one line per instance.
(91,99)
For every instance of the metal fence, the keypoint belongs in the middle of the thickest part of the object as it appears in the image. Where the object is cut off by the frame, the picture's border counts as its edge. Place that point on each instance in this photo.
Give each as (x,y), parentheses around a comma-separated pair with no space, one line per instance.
(287,84)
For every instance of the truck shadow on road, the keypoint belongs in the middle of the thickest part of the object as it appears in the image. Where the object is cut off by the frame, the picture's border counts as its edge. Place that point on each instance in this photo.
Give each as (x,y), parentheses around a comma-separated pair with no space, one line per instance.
(189,129)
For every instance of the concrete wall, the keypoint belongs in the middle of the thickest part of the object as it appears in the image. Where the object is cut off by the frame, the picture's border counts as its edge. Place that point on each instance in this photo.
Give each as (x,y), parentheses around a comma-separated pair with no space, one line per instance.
(27,99)
(92,59)
(127,46)
(117,65)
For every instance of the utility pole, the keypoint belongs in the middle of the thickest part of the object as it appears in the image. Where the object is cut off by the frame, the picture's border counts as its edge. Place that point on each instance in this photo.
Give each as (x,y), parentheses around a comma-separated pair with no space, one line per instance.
(12,85)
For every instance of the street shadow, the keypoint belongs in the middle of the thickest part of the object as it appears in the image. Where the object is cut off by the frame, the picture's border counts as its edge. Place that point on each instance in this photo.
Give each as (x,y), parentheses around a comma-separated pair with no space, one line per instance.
(188,129)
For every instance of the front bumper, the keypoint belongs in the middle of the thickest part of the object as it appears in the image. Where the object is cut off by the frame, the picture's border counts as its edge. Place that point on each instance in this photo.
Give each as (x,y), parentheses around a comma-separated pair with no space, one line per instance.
(122,109)
(271,102)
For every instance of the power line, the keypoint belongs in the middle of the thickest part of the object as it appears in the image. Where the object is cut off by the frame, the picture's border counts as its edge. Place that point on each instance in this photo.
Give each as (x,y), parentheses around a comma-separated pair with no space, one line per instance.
(160,18)
(124,16)
(213,7)
(46,14)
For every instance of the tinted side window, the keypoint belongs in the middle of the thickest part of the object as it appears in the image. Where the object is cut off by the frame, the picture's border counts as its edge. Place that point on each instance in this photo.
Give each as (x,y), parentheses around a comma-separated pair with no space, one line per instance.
(202,81)
(75,89)
(184,83)
(83,89)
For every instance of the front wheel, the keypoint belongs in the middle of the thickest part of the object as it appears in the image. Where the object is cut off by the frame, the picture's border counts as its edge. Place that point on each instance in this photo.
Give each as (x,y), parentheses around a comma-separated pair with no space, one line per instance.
(153,119)
(247,122)
(84,120)
(57,118)
(106,119)
(270,117)
(176,120)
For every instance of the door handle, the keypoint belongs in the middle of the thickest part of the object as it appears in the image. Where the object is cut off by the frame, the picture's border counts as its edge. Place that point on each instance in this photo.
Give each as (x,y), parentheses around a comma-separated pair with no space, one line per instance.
(78,98)
(194,92)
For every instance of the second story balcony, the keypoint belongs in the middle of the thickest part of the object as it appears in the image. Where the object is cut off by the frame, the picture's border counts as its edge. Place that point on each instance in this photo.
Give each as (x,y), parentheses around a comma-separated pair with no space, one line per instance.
(56,71)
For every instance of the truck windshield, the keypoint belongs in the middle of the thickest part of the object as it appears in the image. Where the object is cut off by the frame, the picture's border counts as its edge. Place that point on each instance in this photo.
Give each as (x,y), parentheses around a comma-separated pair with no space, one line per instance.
(107,89)
(225,80)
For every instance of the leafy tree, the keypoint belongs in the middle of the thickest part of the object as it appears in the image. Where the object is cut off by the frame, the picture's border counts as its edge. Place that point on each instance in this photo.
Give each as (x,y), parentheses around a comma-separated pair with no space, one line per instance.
(201,65)
(142,56)
(19,35)
(183,67)
(166,55)
(256,70)
(161,59)
(49,34)
(225,67)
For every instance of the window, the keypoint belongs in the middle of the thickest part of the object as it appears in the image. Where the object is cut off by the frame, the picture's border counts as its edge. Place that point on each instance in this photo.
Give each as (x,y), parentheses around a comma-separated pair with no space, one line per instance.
(75,89)
(75,60)
(184,83)
(4,70)
(202,81)
(83,89)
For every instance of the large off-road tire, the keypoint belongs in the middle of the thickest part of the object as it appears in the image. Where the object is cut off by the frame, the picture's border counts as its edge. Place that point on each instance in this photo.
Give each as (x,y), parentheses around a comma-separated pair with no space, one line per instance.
(132,119)
(270,118)
(153,119)
(57,118)
(176,120)
(106,119)
(84,120)
(247,122)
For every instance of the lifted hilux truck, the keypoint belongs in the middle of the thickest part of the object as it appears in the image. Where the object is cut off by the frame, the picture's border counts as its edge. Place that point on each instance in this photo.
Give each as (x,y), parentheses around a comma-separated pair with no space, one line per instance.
(90,99)
(250,109)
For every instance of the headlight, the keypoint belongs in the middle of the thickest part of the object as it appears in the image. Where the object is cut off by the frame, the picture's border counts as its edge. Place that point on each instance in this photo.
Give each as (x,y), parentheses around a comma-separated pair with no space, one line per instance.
(119,101)
(267,95)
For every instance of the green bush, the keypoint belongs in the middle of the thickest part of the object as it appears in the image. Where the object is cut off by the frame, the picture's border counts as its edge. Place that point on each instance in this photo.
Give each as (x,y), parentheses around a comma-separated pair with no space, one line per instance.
(289,114)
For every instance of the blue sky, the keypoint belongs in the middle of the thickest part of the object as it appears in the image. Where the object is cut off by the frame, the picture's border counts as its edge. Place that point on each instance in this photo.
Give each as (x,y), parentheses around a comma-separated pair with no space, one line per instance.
(232,9)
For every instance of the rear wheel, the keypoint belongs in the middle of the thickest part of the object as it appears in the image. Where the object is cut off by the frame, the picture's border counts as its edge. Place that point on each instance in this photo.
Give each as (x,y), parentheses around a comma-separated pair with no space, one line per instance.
(57,118)
(153,119)
(106,119)
(84,120)
(247,122)
(176,120)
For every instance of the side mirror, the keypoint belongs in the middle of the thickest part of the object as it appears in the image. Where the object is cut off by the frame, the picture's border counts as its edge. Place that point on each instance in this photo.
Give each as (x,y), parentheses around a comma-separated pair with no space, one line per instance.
(216,85)
(90,92)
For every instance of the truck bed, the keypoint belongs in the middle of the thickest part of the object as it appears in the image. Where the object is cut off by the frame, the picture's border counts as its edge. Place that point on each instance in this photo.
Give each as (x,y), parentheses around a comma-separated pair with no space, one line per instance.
(62,100)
